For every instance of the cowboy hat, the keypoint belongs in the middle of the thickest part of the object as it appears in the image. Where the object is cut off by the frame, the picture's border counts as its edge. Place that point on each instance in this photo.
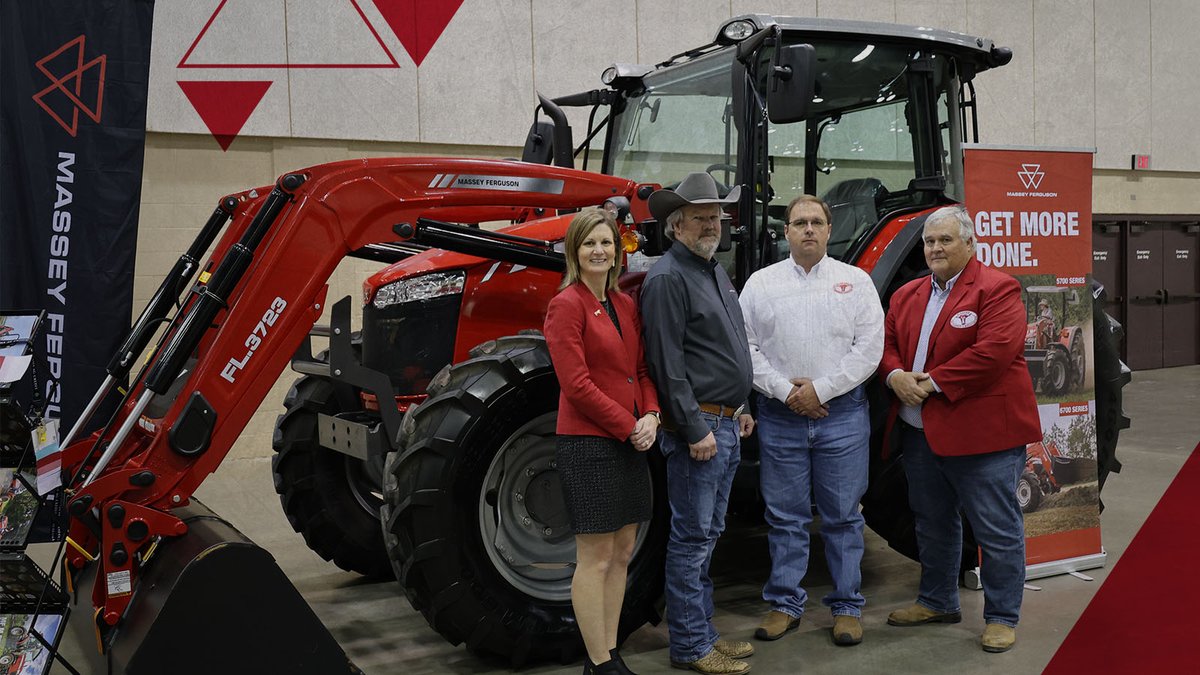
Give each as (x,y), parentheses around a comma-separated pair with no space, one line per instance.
(695,188)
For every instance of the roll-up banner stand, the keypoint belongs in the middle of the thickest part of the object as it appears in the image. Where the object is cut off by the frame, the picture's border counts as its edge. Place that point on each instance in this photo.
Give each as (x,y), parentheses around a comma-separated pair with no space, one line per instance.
(1033,219)
(72,139)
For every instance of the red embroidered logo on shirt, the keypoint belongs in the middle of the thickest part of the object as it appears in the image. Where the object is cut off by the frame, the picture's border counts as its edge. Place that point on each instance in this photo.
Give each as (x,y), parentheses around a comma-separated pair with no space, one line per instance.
(843,287)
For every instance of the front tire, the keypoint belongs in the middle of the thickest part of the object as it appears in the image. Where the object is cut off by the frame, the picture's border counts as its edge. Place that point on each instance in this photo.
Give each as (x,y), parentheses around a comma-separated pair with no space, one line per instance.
(474,520)
(1029,495)
(1056,377)
(330,498)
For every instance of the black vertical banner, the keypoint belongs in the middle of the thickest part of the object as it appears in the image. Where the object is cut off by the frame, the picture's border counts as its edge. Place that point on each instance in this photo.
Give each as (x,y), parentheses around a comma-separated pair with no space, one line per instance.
(74,77)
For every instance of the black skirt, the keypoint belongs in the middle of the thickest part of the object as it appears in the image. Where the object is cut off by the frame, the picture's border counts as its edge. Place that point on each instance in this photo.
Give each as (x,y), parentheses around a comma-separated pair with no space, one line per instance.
(606,483)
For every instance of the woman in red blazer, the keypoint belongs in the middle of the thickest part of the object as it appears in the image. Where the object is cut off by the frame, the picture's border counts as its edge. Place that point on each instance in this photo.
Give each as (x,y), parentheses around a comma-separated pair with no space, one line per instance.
(607,418)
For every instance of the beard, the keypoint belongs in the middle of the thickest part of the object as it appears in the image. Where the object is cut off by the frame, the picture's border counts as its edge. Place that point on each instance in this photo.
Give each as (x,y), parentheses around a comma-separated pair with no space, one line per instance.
(705,247)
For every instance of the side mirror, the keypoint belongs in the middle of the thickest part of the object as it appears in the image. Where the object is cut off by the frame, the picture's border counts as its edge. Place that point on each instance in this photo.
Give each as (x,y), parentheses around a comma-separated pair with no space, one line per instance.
(790,83)
(539,147)
(655,241)
(563,150)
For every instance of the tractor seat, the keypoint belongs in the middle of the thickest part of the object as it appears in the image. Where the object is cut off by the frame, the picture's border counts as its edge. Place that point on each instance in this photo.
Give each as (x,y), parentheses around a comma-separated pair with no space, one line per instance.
(854,204)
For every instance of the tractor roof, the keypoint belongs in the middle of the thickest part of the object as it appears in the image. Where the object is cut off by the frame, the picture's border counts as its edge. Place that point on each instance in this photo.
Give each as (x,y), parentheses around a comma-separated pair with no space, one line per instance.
(869,29)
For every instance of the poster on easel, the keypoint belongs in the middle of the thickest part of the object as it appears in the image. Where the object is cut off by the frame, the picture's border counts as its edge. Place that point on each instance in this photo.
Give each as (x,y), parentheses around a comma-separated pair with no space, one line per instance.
(1033,219)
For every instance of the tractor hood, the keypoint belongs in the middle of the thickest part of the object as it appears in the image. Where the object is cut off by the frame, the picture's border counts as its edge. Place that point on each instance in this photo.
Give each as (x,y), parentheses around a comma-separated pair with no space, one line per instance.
(553,229)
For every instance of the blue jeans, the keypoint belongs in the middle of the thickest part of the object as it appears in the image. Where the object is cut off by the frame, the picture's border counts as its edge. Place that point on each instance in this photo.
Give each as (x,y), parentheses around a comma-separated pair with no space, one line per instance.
(699,494)
(985,488)
(825,459)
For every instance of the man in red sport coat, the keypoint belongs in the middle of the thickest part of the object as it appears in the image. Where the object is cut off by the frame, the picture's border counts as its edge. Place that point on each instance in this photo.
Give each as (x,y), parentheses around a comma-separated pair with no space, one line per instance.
(953,359)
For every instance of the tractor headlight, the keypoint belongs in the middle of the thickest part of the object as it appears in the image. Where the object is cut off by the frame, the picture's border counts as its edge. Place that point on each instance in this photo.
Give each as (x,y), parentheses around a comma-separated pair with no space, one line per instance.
(736,31)
(422,287)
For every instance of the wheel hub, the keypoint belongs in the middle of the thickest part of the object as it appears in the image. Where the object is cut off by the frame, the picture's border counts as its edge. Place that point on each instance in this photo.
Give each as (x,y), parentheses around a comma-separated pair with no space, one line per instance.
(522,515)
(544,500)
(1023,493)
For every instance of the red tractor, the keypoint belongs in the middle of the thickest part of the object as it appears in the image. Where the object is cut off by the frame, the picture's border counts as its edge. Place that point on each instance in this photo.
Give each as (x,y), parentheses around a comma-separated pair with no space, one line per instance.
(1046,472)
(437,419)
(1055,352)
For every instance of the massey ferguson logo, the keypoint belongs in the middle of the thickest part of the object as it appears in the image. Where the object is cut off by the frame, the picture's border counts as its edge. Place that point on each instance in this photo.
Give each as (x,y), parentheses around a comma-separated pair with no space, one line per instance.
(70,92)
(1031,176)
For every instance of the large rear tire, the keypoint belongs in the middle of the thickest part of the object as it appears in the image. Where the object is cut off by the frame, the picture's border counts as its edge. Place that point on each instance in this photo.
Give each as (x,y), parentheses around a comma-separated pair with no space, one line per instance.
(1111,376)
(474,520)
(330,498)
(1078,361)
(1029,494)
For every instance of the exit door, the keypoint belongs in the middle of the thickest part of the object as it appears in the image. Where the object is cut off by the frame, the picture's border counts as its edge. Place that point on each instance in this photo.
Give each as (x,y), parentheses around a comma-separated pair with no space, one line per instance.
(1162,260)
(1108,267)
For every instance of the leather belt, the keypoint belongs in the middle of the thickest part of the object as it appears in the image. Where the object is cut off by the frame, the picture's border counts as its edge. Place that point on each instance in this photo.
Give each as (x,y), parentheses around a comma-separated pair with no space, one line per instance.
(722,410)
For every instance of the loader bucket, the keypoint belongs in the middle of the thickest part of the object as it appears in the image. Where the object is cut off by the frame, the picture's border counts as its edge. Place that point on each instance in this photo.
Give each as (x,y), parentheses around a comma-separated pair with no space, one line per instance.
(212,601)
(1070,470)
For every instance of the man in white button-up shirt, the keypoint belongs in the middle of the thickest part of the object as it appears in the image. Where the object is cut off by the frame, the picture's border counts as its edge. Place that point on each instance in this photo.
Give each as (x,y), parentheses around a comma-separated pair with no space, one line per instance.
(815,327)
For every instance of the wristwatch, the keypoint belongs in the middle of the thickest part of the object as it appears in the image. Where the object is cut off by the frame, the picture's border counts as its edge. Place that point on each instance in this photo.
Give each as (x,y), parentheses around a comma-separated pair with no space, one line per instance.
(656,415)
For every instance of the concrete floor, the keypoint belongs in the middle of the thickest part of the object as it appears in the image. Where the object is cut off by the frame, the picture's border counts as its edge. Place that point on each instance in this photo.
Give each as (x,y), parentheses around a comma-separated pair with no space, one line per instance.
(382,634)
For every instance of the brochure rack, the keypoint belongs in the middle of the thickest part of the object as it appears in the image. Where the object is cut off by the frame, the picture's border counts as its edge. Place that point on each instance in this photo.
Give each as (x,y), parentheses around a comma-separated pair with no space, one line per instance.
(35,608)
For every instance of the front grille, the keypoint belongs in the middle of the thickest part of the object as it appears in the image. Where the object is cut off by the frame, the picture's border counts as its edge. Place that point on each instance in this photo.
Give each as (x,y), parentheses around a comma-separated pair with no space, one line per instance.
(410,341)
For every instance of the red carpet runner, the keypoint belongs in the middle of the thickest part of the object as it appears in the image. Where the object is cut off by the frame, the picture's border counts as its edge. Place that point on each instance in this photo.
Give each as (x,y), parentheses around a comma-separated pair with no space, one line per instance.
(1146,616)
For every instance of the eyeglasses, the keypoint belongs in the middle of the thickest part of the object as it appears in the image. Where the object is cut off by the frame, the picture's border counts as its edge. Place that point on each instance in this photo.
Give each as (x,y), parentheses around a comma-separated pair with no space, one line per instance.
(801,223)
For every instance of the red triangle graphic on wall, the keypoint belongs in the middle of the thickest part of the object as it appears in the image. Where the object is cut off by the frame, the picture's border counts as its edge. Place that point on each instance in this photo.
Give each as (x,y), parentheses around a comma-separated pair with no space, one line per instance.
(224,106)
(418,23)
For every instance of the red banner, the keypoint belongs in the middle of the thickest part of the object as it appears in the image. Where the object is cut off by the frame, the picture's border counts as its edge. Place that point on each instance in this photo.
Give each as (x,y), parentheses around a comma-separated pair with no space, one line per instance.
(1033,220)
(1033,211)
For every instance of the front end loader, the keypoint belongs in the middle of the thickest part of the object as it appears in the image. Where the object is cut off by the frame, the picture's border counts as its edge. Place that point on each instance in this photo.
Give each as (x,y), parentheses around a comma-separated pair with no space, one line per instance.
(159,565)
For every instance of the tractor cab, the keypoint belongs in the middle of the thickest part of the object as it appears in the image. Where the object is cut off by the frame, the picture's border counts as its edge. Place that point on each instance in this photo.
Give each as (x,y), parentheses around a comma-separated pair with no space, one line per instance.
(870,117)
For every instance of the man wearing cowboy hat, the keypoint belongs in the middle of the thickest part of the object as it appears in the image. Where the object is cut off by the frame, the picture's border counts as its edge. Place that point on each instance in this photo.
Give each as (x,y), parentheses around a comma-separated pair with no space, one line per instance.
(699,359)
(1046,320)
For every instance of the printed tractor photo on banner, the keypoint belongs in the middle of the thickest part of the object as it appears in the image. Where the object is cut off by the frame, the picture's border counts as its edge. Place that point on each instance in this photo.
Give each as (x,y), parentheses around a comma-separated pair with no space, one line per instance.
(1058,339)
(1064,460)
(1059,490)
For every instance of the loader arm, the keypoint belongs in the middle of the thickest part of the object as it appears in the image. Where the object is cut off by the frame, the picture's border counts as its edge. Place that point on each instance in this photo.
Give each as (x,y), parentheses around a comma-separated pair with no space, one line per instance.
(259,295)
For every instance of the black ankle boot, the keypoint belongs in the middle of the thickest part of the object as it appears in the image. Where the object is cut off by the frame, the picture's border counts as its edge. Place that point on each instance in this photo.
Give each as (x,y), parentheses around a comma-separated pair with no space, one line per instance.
(615,657)
(609,667)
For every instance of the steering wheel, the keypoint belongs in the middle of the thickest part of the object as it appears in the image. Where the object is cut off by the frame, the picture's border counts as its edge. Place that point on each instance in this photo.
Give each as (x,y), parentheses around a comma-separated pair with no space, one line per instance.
(722,189)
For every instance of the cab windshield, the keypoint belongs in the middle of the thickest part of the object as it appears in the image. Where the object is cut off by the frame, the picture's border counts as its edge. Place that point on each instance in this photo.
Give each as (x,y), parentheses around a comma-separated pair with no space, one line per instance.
(682,122)
(882,119)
